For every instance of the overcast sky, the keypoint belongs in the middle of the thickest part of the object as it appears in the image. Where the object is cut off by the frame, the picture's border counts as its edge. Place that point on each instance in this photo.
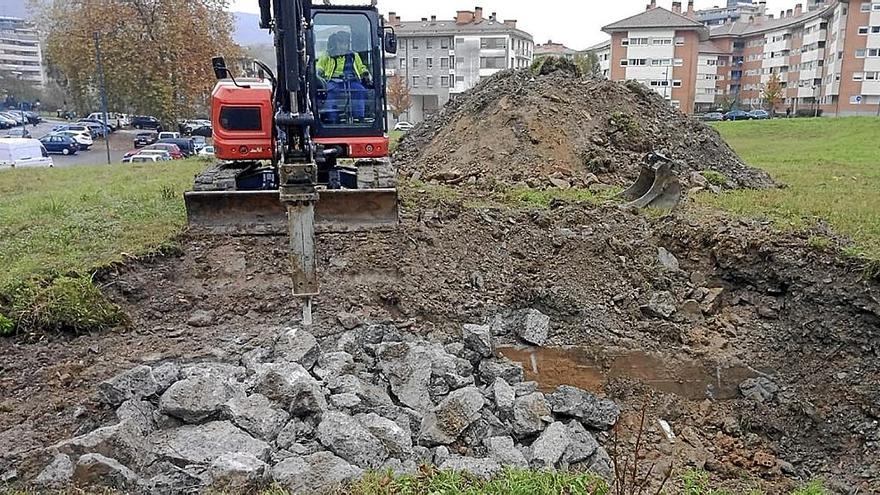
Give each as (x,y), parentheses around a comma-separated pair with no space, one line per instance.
(577,23)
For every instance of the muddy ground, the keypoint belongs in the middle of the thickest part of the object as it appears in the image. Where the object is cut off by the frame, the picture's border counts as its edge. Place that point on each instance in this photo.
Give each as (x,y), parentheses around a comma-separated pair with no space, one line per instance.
(772,307)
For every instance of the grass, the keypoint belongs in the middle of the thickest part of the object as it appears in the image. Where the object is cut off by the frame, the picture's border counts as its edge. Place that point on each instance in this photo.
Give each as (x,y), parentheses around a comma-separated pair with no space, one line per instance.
(394,137)
(510,481)
(58,226)
(831,170)
(500,196)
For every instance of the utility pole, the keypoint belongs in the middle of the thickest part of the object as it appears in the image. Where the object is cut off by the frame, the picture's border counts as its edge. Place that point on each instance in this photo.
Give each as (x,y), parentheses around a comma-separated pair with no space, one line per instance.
(100,62)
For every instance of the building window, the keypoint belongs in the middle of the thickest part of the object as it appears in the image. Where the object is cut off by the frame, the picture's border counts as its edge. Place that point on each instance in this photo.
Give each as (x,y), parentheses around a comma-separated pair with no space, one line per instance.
(493,43)
(661,41)
(444,81)
(444,43)
(863,29)
(415,44)
(624,42)
(459,79)
(675,104)
(493,62)
(444,63)
(858,76)
(415,63)
(676,83)
(623,62)
(638,41)
(678,62)
(415,82)
(403,64)
(429,81)
(429,62)
(429,44)
(866,7)
(638,62)
(679,40)
(860,52)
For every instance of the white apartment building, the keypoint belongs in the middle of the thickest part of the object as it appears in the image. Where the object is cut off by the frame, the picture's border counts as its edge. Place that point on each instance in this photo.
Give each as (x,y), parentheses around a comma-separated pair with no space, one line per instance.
(20,52)
(603,55)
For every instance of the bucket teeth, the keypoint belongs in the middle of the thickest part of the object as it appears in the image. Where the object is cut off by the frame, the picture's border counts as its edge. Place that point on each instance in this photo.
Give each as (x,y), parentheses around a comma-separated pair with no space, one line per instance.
(656,187)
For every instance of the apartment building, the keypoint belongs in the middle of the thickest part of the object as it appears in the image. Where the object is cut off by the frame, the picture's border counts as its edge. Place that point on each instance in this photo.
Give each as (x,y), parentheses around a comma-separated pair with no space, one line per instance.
(439,59)
(826,57)
(20,52)
(554,49)
(603,54)
(732,12)
(660,49)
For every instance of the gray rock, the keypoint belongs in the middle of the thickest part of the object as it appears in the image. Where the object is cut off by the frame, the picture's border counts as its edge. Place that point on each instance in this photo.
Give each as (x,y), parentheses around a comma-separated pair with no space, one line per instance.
(582,446)
(400,468)
(529,324)
(173,480)
(331,365)
(456,412)
(405,367)
(253,358)
(712,300)
(201,318)
(132,384)
(349,321)
(321,472)
(530,415)
(122,441)
(296,345)
(216,371)
(487,426)
(490,369)
(57,474)
(504,395)
(9,476)
(602,465)
(256,416)
(504,452)
(662,304)
(524,388)
(98,470)
(758,389)
(201,444)
(478,338)
(481,468)
(422,455)
(547,450)
(289,434)
(590,410)
(396,439)
(448,370)
(165,375)
(441,454)
(292,386)
(235,472)
(348,439)
(197,399)
(667,259)
(17,440)
(345,401)
(139,413)
(373,396)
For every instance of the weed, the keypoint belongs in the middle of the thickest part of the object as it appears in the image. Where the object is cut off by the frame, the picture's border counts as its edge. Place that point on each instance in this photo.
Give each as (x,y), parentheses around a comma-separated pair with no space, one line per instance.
(631,478)
(813,488)
(64,304)
(7,326)
(168,193)
(714,177)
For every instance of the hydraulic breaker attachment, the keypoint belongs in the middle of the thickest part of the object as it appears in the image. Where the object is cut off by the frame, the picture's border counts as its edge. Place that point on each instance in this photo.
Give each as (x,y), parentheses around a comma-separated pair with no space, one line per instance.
(656,187)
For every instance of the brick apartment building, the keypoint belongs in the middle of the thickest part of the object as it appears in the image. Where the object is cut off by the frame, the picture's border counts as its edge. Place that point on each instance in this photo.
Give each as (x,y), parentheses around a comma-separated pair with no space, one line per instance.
(827,55)
(441,58)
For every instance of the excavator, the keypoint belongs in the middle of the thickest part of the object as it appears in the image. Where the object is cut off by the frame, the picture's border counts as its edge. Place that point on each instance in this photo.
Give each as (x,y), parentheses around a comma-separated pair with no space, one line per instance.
(304,148)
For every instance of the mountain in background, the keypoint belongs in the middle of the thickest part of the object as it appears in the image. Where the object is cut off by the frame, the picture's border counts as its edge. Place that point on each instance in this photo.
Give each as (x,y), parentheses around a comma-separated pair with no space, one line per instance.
(14,8)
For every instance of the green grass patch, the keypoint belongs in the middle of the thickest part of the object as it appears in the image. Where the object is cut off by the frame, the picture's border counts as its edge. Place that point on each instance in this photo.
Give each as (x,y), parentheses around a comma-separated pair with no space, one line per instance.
(714,177)
(831,169)
(510,481)
(394,138)
(57,226)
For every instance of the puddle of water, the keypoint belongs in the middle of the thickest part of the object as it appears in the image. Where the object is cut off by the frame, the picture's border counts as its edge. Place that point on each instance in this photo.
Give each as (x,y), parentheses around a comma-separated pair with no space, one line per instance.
(579,367)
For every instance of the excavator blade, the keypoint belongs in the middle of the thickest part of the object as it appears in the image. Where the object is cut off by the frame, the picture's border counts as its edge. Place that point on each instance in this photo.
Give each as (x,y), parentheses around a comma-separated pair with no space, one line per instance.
(262,213)
(656,187)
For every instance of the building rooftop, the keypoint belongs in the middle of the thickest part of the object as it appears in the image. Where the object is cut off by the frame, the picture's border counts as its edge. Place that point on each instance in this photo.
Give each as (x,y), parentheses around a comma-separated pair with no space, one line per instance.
(762,25)
(712,48)
(466,22)
(551,48)
(655,17)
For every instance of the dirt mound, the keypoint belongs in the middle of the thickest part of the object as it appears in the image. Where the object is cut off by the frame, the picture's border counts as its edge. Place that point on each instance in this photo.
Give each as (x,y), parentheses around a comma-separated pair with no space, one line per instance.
(516,127)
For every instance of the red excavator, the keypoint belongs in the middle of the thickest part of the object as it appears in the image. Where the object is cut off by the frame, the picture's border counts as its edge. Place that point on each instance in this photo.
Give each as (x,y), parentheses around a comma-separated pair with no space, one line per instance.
(304,148)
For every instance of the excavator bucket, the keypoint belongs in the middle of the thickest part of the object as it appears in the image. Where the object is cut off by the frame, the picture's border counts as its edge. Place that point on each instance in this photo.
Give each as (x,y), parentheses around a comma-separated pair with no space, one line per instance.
(262,212)
(656,187)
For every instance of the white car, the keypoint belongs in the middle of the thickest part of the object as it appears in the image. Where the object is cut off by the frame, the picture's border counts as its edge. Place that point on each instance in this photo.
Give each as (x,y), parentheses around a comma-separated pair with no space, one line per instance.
(207,152)
(403,126)
(169,135)
(82,138)
(21,153)
(149,158)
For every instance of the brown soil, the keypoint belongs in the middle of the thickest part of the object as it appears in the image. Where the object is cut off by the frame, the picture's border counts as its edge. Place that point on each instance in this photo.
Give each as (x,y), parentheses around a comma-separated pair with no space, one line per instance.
(518,128)
(801,317)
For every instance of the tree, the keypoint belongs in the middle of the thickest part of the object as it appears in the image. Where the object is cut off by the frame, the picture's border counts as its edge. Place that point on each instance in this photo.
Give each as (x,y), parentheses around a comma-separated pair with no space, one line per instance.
(773,93)
(157,53)
(588,64)
(399,98)
(13,88)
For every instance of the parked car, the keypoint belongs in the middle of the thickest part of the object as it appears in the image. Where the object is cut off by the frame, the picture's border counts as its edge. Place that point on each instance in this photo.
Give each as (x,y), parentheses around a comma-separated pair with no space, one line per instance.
(114,120)
(145,138)
(169,135)
(17,132)
(172,149)
(20,153)
(403,126)
(147,158)
(206,152)
(759,115)
(199,142)
(204,131)
(6,122)
(16,117)
(188,126)
(56,143)
(33,118)
(83,139)
(712,117)
(98,128)
(737,115)
(162,154)
(186,145)
(76,128)
(146,122)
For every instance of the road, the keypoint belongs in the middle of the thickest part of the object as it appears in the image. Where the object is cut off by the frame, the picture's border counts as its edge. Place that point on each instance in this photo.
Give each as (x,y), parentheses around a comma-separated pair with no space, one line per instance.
(120,142)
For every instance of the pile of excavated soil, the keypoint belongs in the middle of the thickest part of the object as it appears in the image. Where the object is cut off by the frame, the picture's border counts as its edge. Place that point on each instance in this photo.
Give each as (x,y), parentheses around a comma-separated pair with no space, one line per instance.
(516,127)
(759,351)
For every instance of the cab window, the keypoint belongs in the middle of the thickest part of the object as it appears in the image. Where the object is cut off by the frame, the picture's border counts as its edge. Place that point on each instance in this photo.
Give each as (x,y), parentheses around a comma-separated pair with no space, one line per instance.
(241,118)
